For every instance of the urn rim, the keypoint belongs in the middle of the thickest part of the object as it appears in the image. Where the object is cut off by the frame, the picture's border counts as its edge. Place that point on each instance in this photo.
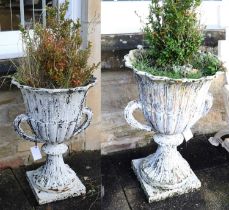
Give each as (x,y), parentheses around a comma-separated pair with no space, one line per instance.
(128,64)
(91,83)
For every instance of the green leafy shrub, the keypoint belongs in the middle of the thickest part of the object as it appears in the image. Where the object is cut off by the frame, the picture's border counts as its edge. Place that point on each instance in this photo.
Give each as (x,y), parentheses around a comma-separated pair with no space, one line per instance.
(202,64)
(208,63)
(173,37)
(54,54)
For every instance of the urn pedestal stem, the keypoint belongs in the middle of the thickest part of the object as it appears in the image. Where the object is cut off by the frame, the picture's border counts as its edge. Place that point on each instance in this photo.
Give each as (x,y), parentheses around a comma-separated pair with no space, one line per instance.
(165,173)
(54,175)
(55,180)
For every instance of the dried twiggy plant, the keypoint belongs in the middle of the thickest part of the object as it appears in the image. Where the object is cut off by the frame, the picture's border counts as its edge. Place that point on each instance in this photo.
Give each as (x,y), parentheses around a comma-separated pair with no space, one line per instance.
(54,57)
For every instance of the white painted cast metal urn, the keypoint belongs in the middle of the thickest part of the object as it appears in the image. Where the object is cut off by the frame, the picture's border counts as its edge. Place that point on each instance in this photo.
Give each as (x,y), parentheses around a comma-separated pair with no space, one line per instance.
(171,107)
(54,115)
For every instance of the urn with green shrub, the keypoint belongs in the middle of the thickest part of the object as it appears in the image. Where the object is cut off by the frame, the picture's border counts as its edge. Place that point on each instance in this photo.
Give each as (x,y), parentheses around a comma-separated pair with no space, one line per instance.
(173,77)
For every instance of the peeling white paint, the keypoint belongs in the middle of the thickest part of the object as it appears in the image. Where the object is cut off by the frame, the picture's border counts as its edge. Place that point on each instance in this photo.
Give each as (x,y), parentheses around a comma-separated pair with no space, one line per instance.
(54,115)
(170,106)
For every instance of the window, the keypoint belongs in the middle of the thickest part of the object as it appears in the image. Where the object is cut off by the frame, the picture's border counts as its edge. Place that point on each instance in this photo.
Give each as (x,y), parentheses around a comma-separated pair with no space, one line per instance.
(25,12)
(118,16)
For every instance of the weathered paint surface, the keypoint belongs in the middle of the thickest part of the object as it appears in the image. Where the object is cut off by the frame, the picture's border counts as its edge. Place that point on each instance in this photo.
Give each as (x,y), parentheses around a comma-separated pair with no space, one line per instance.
(47,196)
(170,106)
(54,115)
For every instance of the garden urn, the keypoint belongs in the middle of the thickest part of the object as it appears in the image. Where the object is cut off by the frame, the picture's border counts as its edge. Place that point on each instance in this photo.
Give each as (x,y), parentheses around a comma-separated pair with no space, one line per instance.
(170,107)
(54,116)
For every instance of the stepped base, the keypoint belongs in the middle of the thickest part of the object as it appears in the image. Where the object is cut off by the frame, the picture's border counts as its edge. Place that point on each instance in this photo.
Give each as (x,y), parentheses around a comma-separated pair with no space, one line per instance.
(47,197)
(157,193)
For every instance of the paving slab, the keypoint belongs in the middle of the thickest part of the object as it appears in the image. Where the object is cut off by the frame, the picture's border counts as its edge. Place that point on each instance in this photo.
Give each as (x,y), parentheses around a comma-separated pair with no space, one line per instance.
(215,186)
(211,165)
(201,154)
(190,201)
(213,195)
(113,194)
(85,163)
(11,195)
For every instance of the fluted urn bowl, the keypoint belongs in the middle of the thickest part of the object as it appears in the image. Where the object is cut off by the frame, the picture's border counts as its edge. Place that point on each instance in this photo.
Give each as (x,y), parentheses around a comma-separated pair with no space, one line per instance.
(54,116)
(170,107)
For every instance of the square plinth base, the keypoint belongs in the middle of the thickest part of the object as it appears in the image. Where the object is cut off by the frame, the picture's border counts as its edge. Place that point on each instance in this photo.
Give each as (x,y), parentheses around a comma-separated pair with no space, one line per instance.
(48,197)
(156,193)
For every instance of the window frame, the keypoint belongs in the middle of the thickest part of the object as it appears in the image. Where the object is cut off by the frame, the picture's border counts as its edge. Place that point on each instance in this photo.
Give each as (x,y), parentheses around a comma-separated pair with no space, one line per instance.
(11,41)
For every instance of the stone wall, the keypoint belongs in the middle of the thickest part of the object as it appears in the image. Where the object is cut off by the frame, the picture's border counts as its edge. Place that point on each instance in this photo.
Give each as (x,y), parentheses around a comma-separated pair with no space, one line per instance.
(119,87)
(15,151)
(114,47)
(10,105)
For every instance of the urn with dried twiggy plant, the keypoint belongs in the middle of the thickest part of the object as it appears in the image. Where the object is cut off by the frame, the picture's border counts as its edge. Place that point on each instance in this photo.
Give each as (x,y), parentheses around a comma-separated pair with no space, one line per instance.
(54,78)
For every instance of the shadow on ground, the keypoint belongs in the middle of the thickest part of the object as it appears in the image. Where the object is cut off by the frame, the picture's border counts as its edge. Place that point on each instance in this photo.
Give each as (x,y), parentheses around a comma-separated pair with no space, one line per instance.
(15,193)
(122,191)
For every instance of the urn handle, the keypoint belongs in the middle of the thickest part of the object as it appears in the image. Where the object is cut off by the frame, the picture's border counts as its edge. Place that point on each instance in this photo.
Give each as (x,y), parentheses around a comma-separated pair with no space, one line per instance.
(88,113)
(17,127)
(128,114)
